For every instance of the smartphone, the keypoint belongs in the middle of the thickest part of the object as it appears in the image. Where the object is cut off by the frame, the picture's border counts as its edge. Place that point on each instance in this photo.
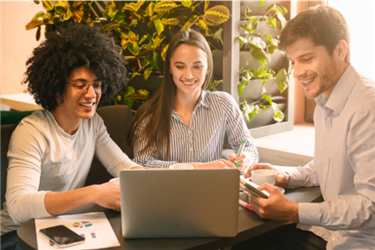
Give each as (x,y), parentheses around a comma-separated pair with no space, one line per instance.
(62,236)
(252,188)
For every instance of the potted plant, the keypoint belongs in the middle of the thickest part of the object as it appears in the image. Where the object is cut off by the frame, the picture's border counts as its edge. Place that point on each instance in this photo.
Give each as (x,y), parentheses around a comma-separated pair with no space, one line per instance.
(264,75)
(143,29)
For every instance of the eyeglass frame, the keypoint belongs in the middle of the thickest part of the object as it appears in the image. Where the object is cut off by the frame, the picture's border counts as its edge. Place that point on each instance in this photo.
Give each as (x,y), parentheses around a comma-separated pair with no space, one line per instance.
(103,88)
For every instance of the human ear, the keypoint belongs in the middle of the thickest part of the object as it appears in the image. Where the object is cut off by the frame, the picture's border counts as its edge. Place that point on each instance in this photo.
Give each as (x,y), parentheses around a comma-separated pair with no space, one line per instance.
(341,50)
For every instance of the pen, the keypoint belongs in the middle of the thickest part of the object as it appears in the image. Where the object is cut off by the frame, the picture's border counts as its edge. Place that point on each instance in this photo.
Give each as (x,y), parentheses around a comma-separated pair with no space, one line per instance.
(245,205)
(240,151)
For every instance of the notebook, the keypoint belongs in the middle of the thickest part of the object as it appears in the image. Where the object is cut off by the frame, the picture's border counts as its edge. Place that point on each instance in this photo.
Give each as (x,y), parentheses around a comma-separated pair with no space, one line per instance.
(179,203)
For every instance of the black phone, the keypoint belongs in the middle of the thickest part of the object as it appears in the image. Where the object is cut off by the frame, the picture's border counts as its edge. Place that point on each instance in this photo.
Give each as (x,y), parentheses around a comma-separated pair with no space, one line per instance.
(62,236)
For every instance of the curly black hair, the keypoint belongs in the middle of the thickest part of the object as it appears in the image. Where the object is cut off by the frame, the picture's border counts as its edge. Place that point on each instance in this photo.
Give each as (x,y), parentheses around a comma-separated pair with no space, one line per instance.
(49,67)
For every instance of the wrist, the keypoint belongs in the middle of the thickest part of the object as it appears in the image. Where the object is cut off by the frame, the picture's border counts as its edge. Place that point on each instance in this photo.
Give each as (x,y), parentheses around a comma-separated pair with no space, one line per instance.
(293,215)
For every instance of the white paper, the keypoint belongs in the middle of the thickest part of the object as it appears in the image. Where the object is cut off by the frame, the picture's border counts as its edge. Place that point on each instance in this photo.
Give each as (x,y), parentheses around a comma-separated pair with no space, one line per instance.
(95,227)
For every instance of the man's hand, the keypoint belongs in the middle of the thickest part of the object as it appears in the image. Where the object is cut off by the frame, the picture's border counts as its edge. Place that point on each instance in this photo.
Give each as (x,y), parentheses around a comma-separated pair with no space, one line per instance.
(282,179)
(276,207)
(243,162)
(107,195)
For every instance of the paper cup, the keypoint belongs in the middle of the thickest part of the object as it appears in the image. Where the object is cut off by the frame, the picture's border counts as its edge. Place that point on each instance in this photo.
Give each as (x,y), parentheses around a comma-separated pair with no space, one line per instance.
(181,166)
(115,179)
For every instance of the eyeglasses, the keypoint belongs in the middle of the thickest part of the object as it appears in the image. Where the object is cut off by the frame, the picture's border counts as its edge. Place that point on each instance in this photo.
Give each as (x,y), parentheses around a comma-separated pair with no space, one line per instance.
(82,86)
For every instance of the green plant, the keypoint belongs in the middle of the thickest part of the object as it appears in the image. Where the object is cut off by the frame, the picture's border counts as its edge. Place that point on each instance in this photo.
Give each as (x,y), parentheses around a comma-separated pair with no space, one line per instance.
(143,29)
(261,47)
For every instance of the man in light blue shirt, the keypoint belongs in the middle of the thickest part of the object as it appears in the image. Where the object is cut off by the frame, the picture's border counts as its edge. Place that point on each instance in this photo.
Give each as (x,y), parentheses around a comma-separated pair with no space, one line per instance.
(316,42)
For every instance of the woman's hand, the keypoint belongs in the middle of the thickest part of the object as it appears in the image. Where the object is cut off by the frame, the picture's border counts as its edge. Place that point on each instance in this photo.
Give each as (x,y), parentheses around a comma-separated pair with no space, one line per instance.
(218,164)
(282,179)
(243,162)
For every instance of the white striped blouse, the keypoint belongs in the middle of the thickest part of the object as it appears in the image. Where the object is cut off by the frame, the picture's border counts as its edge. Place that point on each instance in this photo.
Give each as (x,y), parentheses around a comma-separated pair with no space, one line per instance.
(215,114)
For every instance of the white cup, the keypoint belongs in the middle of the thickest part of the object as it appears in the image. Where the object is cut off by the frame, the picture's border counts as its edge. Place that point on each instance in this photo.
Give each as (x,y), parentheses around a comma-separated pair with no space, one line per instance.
(117,179)
(261,176)
(181,166)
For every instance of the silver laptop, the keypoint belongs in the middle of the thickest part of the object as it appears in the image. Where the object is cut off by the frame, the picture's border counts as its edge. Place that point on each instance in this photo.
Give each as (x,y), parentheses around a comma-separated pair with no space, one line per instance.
(174,203)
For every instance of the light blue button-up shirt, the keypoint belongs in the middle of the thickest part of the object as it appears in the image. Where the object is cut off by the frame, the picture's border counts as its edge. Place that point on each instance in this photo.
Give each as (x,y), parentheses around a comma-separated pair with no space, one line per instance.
(343,166)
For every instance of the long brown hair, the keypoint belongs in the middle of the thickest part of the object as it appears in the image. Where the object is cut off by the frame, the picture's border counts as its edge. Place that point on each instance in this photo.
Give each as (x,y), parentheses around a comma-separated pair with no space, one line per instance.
(158,110)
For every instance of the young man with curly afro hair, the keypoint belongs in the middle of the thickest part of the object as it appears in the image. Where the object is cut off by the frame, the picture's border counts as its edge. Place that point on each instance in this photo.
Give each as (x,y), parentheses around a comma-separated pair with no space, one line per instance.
(51,151)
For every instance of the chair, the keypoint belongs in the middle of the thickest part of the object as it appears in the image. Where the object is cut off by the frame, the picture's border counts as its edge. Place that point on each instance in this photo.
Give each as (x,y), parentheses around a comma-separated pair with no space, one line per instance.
(6,132)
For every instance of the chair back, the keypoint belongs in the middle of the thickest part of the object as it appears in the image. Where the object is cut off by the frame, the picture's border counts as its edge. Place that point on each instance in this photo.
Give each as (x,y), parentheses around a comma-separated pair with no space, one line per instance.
(6,132)
(117,119)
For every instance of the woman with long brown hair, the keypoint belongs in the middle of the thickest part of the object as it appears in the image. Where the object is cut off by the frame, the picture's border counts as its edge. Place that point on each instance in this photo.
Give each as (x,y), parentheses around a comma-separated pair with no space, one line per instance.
(183,122)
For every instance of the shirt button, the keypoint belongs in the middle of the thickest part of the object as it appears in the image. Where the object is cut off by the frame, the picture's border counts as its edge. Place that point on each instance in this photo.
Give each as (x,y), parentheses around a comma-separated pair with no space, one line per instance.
(326,145)
(333,238)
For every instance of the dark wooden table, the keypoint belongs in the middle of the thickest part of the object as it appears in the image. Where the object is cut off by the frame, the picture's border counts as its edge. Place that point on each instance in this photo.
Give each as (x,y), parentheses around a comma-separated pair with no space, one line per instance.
(249,225)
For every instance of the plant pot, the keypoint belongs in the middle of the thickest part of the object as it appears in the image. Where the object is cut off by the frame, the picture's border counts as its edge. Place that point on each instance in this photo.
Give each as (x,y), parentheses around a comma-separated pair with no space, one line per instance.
(265,117)
(253,91)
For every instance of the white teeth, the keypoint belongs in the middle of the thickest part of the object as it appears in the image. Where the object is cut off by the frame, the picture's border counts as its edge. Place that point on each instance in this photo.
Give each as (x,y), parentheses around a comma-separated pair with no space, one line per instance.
(188,83)
(306,82)
(86,104)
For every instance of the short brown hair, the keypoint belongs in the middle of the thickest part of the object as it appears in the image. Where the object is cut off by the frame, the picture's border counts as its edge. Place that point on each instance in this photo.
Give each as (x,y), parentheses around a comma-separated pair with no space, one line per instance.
(323,25)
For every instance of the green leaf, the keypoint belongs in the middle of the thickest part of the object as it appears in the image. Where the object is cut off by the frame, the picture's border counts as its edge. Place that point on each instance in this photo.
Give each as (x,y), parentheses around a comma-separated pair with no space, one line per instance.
(147,73)
(282,80)
(245,65)
(38,34)
(133,48)
(270,8)
(190,22)
(164,6)
(129,91)
(158,26)
(60,7)
(187,4)
(242,85)
(267,98)
(256,41)
(39,14)
(119,17)
(242,40)
(206,3)
(251,25)
(155,60)
(284,9)
(269,38)
(264,87)
(249,110)
(271,21)
(145,62)
(277,114)
(216,15)
(143,39)
(259,55)
(261,3)
(218,35)
(261,71)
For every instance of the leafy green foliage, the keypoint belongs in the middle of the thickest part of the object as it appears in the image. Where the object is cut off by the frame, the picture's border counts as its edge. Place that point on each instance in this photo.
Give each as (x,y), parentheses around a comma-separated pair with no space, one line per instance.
(261,47)
(142,28)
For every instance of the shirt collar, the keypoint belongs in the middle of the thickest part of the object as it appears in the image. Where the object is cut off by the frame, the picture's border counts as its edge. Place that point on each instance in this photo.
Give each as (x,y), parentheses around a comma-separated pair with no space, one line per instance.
(203,100)
(340,94)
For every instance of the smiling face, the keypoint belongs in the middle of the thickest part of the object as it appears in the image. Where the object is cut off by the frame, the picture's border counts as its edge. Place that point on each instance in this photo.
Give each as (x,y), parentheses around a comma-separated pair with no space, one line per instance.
(314,67)
(188,69)
(78,106)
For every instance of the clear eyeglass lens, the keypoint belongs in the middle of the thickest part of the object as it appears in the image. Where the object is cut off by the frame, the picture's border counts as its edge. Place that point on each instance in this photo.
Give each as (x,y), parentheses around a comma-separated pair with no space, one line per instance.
(82,86)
